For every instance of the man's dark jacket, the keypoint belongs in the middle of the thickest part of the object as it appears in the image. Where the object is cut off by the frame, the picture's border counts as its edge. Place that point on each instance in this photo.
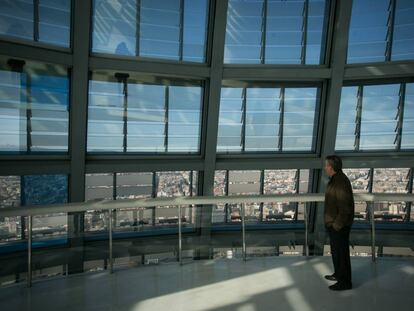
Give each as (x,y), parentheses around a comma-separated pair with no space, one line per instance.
(339,202)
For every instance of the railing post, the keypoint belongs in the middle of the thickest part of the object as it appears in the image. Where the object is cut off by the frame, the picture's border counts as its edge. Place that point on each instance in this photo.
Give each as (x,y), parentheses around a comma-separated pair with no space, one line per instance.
(243,231)
(179,236)
(372,231)
(29,253)
(111,262)
(305,217)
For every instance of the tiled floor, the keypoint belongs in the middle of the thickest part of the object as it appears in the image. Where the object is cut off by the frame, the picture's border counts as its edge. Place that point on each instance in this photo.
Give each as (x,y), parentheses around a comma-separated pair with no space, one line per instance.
(272,283)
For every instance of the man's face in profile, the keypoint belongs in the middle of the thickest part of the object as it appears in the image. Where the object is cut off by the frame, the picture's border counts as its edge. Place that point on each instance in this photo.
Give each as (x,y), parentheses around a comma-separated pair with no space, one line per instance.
(328,169)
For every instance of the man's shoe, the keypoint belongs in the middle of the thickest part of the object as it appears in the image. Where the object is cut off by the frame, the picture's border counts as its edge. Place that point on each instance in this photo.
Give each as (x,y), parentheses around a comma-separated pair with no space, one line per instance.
(330,277)
(341,286)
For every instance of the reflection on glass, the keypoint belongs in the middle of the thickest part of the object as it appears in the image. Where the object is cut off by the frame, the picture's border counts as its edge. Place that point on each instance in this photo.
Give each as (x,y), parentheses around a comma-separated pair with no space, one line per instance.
(34,110)
(140,117)
(52,27)
(166,29)
(275,31)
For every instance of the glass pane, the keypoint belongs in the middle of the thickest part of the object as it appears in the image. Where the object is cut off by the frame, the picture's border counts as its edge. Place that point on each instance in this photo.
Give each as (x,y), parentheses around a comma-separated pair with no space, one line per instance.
(403,38)
(279,182)
(299,119)
(133,186)
(195,30)
(159,118)
(98,186)
(244,183)
(345,135)
(407,141)
(275,31)
(317,19)
(10,227)
(284,32)
(230,120)
(49,97)
(34,109)
(173,184)
(244,31)
(184,118)
(16,18)
(304,177)
(114,27)
(368,31)
(220,189)
(378,122)
(105,116)
(54,22)
(160,29)
(166,29)
(146,117)
(262,119)
(390,180)
(13,110)
(44,190)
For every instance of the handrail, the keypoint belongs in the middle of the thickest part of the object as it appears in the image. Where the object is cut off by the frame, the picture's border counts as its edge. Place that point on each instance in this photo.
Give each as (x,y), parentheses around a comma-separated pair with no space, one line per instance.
(105,204)
(111,205)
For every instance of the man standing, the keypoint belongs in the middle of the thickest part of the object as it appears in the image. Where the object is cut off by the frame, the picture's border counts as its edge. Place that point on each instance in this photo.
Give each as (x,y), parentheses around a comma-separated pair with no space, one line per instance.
(339,215)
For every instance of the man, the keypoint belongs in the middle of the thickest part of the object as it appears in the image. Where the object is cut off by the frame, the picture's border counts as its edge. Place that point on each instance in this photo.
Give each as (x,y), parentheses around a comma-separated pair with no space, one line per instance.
(339,215)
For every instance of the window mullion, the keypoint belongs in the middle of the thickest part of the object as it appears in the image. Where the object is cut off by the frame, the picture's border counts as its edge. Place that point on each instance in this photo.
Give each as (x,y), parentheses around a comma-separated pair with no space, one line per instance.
(138,27)
(390,29)
(181,39)
(263,29)
(358,118)
(305,14)
(244,106)
(36,20)
(166,107)
(400,117)
(281,117)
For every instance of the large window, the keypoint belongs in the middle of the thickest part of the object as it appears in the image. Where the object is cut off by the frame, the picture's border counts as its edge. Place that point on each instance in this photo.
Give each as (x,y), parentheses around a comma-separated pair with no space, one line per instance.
(381,180)
(34,107)
(33,190)
(168,29)
(267,119)
(46,21)
(381,30)
(227,183)
(118,186)
(376,117)
(128,115)
(276,31)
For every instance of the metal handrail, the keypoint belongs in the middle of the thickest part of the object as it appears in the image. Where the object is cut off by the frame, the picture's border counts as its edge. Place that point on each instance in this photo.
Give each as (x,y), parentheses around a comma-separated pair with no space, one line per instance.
(111,205)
